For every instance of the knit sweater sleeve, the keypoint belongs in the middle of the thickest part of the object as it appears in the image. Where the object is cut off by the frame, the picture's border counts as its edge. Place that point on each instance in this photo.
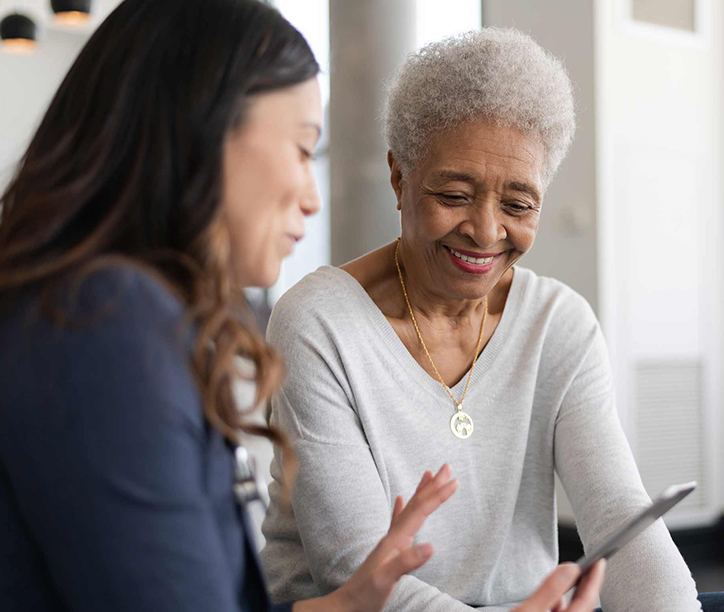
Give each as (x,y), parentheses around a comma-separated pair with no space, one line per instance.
(600,477)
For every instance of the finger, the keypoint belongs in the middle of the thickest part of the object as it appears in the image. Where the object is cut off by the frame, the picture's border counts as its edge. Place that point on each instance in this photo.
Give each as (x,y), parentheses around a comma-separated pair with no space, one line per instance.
(553,588)
(442,475)
(399,501)
(426,477)
(406,525)
(429,489)
(560,606)
(417,510)
(399,507)
(444,472)
(407,561)
(589,588)
(424,503)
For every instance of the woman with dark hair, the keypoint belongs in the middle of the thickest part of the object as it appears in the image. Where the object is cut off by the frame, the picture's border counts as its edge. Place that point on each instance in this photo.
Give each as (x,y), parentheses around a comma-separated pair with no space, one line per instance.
(171,169)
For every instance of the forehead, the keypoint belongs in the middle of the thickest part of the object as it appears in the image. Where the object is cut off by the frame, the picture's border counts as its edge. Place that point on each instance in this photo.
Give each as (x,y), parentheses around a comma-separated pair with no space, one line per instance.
(294,106)
(486,152)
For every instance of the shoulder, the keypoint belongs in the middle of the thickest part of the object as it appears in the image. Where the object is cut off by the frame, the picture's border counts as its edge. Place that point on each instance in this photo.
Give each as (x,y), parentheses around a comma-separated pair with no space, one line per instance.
(551,303)
(104,299)
(124,344)
(558,328)
(319,303)
(131,317)
(124,293)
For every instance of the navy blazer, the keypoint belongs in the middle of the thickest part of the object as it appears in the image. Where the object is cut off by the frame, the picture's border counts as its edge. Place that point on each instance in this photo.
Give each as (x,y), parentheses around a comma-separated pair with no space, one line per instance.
(115,493)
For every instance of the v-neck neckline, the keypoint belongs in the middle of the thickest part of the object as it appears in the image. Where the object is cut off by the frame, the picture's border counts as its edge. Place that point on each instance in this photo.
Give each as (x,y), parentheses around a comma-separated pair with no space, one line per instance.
(397,347)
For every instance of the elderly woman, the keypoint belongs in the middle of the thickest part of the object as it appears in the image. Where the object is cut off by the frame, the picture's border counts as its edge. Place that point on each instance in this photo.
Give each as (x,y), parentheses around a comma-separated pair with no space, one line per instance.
(386,375)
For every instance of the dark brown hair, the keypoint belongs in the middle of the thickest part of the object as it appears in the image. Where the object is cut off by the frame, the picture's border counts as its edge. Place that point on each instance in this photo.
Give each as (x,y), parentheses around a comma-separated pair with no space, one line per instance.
(126,166)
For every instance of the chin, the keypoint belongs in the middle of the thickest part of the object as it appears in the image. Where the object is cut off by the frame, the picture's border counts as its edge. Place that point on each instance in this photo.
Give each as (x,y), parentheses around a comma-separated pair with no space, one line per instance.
(270,276)
(262,277)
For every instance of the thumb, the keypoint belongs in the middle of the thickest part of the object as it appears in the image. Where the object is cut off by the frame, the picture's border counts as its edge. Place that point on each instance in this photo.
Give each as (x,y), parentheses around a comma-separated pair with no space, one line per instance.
(553,588)
(405,562)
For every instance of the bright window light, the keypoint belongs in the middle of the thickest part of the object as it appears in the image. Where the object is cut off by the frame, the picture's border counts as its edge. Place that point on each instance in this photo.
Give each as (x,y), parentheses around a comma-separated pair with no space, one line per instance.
(436,19)
(311,18)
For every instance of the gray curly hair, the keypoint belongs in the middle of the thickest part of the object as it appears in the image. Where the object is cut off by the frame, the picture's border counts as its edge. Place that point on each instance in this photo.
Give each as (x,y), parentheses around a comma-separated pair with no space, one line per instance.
(499,74)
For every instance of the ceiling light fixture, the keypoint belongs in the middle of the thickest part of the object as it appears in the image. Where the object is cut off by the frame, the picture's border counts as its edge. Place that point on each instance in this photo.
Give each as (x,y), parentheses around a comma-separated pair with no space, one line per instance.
(71,12)
(19,34)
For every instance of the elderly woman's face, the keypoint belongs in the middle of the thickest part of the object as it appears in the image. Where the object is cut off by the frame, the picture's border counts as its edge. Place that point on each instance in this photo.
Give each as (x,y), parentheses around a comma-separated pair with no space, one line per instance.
(471,208)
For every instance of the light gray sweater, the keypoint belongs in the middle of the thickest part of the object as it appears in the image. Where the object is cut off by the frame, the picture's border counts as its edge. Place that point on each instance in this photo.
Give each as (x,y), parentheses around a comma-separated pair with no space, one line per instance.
(365,421)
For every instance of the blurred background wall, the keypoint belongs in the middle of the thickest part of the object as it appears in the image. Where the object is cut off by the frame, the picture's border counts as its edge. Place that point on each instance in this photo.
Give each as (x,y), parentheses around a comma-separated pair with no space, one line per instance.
(634,221)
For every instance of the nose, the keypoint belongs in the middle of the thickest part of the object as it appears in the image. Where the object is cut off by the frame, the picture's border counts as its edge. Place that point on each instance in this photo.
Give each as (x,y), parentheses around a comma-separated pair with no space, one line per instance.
(486,224)
(310,202)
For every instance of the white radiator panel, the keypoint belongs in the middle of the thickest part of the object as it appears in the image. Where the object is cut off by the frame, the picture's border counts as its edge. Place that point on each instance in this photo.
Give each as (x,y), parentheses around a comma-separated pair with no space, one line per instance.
(670,433)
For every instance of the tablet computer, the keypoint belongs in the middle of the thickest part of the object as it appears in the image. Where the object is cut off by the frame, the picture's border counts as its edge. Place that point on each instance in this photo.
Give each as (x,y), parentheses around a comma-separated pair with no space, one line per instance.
(662,504)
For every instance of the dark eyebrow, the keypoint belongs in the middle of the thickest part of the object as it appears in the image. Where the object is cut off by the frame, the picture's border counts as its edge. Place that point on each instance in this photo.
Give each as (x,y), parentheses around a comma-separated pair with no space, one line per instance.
(525,188)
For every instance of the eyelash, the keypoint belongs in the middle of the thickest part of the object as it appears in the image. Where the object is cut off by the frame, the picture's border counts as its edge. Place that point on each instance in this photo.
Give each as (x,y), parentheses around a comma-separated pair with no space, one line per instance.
(518,208)
(515,207)
(308,155)
(458,199)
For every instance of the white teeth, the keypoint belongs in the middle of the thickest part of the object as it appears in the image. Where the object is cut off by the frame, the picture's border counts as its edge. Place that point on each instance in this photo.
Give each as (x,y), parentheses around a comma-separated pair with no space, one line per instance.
(478,261)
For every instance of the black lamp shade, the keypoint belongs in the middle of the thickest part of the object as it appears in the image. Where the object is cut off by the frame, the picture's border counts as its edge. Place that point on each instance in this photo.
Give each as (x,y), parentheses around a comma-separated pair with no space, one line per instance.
(71,6)
(17,26)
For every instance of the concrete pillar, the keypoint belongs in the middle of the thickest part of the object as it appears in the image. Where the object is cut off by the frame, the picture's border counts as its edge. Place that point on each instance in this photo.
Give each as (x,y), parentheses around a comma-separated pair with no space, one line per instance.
(369,39)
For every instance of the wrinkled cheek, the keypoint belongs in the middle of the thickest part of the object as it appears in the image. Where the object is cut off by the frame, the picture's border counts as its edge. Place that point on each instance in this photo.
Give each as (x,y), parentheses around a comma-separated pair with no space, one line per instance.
(527,236)
(436,226)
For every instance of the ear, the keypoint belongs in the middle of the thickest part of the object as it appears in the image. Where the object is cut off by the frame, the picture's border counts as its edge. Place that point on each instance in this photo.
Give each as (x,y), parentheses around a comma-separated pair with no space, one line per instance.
(396,179)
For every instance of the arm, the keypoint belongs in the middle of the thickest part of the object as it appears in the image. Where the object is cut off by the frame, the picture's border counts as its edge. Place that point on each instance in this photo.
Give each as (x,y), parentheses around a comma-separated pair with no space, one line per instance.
(109,473)
(599,474)
(339,501)
(371,585)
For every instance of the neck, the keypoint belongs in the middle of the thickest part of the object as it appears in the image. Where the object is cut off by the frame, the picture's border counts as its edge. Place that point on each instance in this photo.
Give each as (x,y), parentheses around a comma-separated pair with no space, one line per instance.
(431,304)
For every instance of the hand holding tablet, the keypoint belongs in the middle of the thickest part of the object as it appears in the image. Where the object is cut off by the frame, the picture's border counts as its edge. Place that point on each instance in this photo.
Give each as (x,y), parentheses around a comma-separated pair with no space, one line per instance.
(589,570)
(662,504)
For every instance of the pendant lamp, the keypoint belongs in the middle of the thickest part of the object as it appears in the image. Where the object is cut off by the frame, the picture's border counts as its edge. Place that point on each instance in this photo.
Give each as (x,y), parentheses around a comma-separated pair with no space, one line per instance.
(71,12)
(19,34)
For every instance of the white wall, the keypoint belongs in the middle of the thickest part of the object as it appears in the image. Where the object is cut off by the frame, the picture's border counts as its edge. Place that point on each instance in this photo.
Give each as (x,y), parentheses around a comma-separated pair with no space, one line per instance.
(311,18)
(661,222)
(28,82)
(634,222)
(28,85)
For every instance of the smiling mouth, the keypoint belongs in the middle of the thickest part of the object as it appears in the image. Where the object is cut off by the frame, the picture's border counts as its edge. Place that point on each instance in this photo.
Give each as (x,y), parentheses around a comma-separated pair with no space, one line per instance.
(476,261)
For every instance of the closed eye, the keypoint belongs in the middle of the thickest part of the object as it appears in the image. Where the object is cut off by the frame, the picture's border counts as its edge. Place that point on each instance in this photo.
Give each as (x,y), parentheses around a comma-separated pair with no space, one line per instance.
(307,154)
(516,207)
(453,198)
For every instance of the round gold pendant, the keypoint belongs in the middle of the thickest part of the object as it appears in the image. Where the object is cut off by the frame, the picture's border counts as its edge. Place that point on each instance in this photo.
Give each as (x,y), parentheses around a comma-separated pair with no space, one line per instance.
(461,424)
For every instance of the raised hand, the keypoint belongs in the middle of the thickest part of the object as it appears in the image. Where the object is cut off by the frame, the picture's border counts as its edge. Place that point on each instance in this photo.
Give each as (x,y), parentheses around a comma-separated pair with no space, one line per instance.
(371,585)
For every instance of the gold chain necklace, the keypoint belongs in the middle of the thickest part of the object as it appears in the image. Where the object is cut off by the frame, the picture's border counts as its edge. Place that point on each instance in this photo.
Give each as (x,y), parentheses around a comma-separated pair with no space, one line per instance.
(461,423)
